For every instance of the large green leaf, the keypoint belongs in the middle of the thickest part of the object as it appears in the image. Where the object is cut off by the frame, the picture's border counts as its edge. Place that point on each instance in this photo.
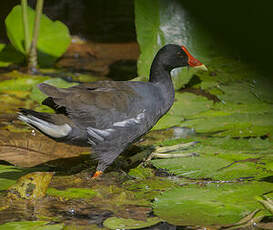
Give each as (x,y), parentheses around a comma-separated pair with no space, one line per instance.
(9,55)
(211,204)
(122,223)
(223,159)
(23,82)
(211,167)
(53,38)
(185,105)
(236,125)
(161,22)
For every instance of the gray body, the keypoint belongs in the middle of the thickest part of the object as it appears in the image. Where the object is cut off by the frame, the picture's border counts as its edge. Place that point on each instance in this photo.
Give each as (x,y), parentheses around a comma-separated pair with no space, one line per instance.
(108,115)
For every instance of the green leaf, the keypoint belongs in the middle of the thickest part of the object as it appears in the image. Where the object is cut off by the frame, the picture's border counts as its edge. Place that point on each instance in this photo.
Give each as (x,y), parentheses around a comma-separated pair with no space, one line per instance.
(31,186)
(211,167)
(9,55)
(53,38)
(185,105)
(211,204)
(235,125)
(23,83)
(9,175)
(161,22)
(122,223)
(238,93)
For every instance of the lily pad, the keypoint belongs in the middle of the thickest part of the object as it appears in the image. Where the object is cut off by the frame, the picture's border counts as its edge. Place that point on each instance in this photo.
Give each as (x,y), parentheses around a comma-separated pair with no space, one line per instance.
(53,39)
(121,223)
(185,105)
(213,204)
(212,167)
(238,92)
(236,125)
(23,82)
(31,149)
(148,188)
(31,186)
(72,193)
(235,148)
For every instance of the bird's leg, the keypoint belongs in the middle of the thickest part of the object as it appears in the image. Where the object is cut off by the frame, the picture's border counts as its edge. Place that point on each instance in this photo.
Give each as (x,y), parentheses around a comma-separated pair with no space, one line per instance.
(97,174)
(161,152)
(105,159)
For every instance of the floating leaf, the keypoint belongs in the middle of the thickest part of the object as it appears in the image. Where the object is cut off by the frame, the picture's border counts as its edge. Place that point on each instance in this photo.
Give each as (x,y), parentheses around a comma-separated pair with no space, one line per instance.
(211,204)
(185,105)
(22,83)
(31,186)
(148,188)
(238,92)
(236,125)
(212,167)
(53,37)
(27,150)
(231,148)
(121,223)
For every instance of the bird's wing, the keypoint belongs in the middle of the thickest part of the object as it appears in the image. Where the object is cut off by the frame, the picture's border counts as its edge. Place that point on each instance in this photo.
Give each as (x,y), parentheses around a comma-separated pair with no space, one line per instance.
(99,105)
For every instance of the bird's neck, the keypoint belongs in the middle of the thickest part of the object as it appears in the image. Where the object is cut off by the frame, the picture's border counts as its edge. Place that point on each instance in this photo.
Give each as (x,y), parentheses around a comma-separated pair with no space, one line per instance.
(161,77)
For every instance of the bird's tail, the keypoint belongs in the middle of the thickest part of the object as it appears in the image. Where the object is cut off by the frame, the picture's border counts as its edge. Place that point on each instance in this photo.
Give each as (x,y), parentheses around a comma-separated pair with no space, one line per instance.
(44,123)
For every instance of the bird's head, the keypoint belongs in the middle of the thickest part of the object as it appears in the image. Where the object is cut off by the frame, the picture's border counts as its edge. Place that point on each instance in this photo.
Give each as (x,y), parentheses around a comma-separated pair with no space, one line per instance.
(173,56)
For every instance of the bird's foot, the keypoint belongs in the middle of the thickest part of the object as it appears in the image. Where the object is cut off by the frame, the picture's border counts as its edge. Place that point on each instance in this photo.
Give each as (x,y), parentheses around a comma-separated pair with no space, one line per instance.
(161,152)
(96,175)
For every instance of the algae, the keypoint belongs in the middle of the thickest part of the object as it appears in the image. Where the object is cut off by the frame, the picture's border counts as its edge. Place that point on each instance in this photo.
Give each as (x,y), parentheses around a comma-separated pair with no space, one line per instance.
(72,193)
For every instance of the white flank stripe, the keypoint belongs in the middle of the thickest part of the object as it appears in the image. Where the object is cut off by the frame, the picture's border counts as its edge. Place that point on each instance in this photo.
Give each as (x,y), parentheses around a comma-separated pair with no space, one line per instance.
(50,129)
(130,121)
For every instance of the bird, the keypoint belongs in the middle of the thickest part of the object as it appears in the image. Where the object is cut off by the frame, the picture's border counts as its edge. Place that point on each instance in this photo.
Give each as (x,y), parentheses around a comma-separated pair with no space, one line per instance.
(109,116)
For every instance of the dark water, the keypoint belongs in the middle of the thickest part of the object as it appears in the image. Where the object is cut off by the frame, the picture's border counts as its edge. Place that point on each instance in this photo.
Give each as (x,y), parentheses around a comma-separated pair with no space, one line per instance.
(96,20)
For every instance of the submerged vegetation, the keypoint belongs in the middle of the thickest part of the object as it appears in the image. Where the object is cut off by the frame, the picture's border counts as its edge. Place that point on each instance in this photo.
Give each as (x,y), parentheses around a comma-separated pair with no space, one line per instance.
(222,181)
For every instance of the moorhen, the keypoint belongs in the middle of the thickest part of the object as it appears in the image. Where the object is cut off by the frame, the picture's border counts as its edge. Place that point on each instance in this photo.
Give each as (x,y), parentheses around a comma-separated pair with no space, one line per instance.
(110,115)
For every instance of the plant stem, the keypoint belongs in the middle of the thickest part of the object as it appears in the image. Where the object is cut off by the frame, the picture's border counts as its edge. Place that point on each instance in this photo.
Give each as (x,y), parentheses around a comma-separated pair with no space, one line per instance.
(32,62)
(25,25)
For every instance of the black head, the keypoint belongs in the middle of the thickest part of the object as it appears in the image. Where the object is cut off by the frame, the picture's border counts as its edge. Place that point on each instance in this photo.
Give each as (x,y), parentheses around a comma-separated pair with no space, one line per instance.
(172,56)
